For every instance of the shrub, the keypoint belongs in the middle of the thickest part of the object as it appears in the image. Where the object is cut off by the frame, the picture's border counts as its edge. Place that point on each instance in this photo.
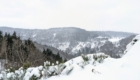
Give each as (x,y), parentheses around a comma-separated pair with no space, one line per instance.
(69,71)
(99,58)
(47,63)
(12,69)
(34,78)
(26,65)
(45,73)
(82,66)
(60,68)
(11,78)
(85,57)
(95,57)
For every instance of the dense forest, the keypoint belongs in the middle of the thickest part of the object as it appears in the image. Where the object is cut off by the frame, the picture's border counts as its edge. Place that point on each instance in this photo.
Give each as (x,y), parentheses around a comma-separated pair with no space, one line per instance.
(17,52)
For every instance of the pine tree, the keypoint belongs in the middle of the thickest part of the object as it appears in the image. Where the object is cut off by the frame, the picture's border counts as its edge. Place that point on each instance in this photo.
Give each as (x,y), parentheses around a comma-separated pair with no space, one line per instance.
(5,35)
(14,36)
(1,36)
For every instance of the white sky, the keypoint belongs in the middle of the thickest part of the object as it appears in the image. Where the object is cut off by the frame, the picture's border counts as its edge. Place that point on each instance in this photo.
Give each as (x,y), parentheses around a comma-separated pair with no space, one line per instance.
(116,15)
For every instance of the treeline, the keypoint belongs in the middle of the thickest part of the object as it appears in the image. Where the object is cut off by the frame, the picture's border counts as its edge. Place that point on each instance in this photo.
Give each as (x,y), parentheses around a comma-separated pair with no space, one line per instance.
(17,52)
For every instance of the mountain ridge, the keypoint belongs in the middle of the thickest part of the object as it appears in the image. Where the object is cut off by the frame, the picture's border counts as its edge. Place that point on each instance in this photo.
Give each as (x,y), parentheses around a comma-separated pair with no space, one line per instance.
(4,27)
(72,40)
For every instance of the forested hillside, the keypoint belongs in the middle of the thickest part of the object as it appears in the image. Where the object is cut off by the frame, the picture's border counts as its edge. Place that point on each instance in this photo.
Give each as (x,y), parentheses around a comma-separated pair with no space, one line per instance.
(17,52)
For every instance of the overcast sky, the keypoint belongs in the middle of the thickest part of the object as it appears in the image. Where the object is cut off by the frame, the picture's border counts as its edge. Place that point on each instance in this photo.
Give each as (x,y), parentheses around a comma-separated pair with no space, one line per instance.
(116,15)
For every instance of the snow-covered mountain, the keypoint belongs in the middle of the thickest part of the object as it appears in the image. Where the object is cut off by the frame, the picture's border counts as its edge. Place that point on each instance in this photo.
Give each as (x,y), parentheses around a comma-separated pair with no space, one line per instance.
(74,40)
(86,67)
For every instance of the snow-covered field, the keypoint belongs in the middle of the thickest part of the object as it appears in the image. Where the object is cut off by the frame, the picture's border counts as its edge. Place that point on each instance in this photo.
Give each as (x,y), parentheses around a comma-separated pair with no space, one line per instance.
(125,68)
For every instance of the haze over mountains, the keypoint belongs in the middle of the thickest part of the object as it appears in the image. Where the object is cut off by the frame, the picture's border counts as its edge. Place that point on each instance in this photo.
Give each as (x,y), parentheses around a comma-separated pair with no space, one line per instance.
(76,41)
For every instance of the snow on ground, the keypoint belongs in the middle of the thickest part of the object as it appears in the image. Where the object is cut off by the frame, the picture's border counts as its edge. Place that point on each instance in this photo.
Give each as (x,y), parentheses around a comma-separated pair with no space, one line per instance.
(54,35)
(34,35)
(115,39)
(79,46)
(101,37)
(125,68)
(82,45)
(64,46)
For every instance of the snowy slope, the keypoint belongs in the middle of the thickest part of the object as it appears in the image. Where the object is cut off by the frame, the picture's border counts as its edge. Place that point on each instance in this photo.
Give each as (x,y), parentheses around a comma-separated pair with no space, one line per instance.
(126,68)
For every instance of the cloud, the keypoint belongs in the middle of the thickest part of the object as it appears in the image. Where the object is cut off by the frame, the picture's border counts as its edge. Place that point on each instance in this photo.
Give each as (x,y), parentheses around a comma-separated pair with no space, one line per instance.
(114,15)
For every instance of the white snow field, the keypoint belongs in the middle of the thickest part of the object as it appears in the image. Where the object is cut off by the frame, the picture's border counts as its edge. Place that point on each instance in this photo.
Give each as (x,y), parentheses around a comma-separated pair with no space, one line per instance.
(125,68)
